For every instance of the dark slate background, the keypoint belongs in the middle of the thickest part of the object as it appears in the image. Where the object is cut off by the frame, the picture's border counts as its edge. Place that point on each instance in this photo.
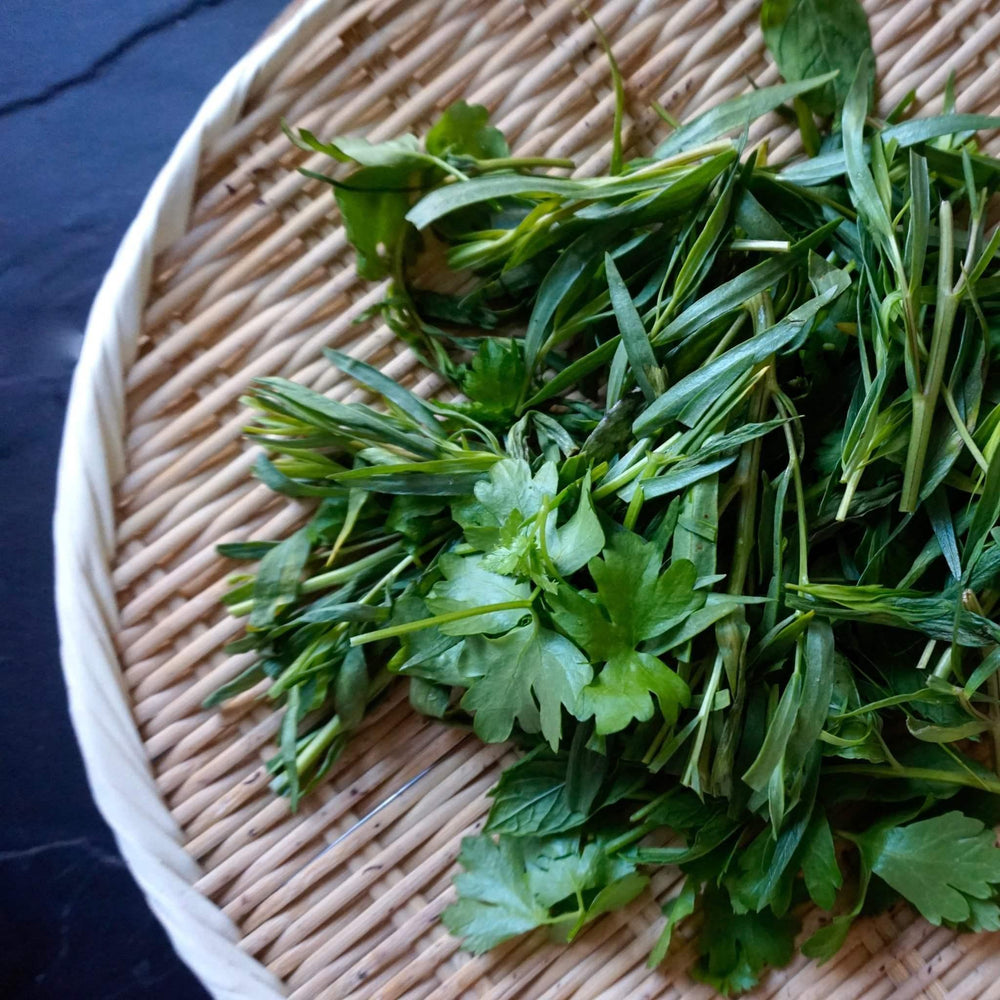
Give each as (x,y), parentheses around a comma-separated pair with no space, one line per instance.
(93,95)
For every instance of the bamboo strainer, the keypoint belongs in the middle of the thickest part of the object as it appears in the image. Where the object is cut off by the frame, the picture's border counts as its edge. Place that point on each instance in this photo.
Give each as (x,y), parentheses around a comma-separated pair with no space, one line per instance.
(237,267)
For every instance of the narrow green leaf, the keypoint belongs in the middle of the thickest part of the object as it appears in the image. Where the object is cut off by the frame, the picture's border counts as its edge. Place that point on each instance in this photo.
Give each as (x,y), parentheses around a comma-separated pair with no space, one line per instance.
(736,292)
(828,166)
(387,387)
(278,579)
(713,378)
(735,114)
(573,373)
(675,910)
(864,193)
(288,744)
(819,862)
(633,332)
(451,197)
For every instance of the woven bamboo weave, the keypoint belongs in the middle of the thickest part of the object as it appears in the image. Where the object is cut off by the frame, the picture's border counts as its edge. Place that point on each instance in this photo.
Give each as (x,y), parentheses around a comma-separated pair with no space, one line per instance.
(255,278)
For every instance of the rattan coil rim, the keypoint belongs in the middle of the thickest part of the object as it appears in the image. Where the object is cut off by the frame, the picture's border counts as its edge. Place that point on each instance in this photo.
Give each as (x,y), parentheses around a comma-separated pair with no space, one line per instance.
(90,462)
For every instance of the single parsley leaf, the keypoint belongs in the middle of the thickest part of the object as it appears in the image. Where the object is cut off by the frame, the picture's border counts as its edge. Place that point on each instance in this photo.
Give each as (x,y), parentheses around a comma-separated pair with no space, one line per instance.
(622,692)
(466,586)
(504,500)
(735,948)
(939,864)
(502,522)
(494,378)
(513,884)
(557,868)
(529,674)
(511,487)
(640,600)
(562,870)
(811,37)
(464,130)
(373,204)
(580,539)
(496,901)
(634,602)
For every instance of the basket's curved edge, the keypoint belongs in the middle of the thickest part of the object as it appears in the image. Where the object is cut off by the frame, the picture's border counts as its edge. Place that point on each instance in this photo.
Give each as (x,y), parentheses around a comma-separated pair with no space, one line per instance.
(91,462)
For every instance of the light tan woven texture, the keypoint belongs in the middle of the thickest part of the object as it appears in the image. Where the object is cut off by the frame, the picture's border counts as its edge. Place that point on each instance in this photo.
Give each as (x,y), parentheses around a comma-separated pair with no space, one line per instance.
(343,899)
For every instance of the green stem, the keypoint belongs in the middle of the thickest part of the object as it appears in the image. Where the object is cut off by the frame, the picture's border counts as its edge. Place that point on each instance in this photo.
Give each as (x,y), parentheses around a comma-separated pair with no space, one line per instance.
(651,806)
(342,574)
(691,777)
(764,246)
(317,744)
(963,431)
(747,475)
(447,167)
(614,485)
(629,838)
(452,616)
(925,400)
(309,754)
(987,783)
(523,162)
(785,409)
(993,685)
(389,577)
(850,487)
(345,573)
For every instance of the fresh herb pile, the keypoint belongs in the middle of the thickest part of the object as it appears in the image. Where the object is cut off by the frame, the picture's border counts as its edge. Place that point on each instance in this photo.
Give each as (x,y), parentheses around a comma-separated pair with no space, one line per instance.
(710,530)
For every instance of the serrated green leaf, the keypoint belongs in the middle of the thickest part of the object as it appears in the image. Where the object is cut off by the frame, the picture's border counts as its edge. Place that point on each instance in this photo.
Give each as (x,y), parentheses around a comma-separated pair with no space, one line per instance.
(529,676)
(938,864)
(464,130)
(467,586)
(512,885)
(736,948)
(496,901)
(495,376)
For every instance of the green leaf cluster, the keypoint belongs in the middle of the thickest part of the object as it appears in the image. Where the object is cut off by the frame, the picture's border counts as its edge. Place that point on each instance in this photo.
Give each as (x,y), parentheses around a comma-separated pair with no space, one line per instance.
(707,524)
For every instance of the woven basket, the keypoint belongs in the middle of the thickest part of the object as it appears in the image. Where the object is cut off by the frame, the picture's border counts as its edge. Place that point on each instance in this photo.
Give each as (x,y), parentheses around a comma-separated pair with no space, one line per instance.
(237,267)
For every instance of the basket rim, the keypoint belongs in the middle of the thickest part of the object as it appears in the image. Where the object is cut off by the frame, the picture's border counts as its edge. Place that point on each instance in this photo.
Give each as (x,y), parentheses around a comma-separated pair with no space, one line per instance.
(91,461)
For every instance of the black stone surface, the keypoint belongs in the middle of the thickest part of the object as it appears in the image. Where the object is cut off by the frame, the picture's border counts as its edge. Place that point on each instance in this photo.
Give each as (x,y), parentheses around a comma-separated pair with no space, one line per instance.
(93,96)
